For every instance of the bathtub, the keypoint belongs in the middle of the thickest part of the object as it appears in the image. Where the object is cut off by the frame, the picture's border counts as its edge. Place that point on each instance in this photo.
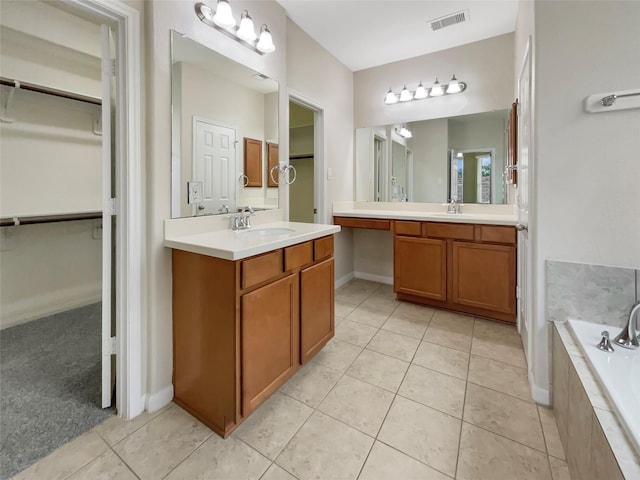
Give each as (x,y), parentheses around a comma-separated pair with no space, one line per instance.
(618,373)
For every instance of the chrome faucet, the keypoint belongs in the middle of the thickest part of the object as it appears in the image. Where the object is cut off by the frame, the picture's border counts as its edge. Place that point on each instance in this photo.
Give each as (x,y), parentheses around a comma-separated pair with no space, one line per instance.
(629,337)
(454,206)
(242,220)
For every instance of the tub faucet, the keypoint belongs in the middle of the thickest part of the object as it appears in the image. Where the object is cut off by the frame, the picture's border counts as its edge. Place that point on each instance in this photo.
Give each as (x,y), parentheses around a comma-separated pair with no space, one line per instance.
(629,337)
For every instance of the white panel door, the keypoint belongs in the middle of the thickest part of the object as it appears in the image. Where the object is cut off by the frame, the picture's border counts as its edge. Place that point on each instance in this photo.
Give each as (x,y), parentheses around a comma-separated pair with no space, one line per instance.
(214,164)
(525,270)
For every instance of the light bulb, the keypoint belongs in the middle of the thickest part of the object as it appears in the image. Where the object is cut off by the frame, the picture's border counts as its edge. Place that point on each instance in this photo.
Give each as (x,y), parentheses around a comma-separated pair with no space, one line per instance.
(224,17)
(390,98)
(406,133)
(265,43)
(405,95)
(246,31)
(421,92)
(436,90)
(454,85)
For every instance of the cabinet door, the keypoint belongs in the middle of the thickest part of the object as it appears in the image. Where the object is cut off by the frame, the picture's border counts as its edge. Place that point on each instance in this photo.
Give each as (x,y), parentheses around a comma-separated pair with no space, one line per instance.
(420,267)
(253,162)
(484,276)
(269,340)
(316,308)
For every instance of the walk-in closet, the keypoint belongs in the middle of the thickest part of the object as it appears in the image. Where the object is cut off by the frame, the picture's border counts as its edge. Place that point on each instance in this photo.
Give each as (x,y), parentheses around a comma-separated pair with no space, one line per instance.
(55,240)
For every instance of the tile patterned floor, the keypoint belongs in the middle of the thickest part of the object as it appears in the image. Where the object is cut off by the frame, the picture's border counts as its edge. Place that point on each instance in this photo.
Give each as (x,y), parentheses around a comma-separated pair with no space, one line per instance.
(401,392)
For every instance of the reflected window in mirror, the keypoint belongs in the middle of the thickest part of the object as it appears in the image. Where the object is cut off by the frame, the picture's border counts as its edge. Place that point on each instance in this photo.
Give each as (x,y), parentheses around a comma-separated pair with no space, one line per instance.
(217,103)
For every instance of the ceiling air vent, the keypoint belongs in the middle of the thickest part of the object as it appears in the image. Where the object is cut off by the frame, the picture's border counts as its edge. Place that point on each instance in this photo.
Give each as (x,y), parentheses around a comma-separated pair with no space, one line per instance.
(449,20)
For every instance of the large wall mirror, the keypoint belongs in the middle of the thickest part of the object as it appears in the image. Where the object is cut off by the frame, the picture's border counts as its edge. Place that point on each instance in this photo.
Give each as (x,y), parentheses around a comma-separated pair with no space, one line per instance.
(461,158)
(224,133)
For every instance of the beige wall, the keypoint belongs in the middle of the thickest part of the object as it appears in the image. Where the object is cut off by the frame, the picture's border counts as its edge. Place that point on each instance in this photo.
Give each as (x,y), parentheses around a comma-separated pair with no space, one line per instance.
(487,67)
(430,160)
(319,77)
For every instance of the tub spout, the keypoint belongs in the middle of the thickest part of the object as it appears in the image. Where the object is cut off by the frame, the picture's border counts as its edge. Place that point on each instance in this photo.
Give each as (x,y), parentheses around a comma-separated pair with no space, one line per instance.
(629,337)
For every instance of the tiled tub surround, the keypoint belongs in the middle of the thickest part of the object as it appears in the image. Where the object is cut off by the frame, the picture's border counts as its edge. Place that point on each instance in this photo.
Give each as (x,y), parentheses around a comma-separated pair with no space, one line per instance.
(597,446)
(618,372)
(593,293)
(401,392)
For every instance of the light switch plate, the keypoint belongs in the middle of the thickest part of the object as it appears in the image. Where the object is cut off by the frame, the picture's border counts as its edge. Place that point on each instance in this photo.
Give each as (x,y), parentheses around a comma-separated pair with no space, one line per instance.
(329,173)
(195,192)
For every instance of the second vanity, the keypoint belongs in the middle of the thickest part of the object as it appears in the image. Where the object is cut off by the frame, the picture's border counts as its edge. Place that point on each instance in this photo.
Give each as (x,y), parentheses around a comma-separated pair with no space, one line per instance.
(462,262)
(249,309)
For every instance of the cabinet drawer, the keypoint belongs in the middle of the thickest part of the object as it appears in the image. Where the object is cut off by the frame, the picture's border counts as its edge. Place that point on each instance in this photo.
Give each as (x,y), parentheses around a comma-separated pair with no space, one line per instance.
(413,229)
(298,255)
(450,230)
(261,268)
(322,248)
(497,234)
(370,223)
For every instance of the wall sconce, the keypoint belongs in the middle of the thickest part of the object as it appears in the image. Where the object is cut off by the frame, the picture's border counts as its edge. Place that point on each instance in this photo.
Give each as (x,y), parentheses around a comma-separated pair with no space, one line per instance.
(436,90)
(222,20)
(404,132)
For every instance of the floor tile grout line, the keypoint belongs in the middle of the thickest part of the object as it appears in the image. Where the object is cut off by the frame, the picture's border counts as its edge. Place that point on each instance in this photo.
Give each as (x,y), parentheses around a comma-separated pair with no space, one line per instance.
(125,463)
(506,438)
(414,458)
(464,402)
(190,453)
(531,401)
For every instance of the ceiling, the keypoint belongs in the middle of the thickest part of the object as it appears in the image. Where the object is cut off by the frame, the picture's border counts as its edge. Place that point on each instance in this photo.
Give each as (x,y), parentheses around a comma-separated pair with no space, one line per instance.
(367,33)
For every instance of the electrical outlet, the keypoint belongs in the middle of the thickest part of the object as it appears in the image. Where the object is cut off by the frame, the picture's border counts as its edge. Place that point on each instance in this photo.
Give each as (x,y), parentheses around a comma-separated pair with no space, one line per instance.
(195,192)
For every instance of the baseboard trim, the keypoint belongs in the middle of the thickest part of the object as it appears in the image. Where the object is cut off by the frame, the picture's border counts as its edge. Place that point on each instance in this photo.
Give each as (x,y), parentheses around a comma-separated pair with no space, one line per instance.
(155,401)
(48,306)
(342,280)
(540,395)
(374,278)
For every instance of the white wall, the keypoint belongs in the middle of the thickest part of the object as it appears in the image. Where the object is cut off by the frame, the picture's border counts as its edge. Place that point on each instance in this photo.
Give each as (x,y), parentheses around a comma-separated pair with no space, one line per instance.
(486,66)
(319,77)
(587,168)
(430,154)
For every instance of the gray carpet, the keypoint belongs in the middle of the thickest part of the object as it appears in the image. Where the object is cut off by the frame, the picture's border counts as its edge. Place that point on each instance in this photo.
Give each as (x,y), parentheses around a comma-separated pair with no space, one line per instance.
(50,384)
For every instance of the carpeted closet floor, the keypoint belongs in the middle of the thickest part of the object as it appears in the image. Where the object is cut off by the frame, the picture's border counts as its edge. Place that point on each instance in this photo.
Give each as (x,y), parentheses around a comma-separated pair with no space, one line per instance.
(50,385)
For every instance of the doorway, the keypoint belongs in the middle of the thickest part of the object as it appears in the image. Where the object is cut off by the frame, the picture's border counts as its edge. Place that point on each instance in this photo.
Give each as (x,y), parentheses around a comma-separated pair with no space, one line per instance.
(60,238)
(306,155)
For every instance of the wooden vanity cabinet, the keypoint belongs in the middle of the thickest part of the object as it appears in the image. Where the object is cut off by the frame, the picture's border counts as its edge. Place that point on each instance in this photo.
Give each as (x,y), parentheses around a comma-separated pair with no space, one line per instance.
(464,267)
(242,328)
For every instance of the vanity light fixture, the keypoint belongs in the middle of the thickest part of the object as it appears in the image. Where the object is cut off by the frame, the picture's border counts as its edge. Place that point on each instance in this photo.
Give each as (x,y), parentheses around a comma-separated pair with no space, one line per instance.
(437,90)
(222,20)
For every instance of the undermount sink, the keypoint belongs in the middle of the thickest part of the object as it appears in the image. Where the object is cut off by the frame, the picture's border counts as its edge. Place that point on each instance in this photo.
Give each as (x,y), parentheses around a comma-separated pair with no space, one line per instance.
(265,232)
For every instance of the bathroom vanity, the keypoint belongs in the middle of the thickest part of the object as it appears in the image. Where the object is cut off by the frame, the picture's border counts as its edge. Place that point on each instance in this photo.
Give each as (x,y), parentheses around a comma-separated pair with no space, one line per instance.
(460,262)
(249,309)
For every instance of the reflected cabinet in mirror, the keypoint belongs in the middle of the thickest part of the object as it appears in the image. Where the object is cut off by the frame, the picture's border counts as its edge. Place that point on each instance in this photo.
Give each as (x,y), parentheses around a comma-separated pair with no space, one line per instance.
(433,161)
(224,119)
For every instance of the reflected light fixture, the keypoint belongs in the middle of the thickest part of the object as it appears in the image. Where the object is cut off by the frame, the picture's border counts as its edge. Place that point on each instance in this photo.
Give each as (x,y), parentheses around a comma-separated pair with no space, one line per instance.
(437,90)
(222,20)
(404,132)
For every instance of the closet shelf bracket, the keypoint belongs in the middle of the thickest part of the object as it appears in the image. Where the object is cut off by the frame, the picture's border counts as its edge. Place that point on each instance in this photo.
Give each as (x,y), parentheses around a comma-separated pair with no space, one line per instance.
(8,104)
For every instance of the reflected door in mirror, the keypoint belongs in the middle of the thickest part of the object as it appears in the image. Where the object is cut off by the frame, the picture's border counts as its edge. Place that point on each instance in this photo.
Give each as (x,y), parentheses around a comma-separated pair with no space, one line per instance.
(213,165)
(273,158)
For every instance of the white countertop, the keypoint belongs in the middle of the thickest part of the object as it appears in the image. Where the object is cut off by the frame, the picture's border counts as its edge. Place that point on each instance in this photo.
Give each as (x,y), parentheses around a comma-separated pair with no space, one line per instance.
(233,245)
(484,214)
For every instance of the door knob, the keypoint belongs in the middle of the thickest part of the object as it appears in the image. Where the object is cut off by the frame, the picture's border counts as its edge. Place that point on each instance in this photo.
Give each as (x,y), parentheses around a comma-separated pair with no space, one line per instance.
(520,227)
